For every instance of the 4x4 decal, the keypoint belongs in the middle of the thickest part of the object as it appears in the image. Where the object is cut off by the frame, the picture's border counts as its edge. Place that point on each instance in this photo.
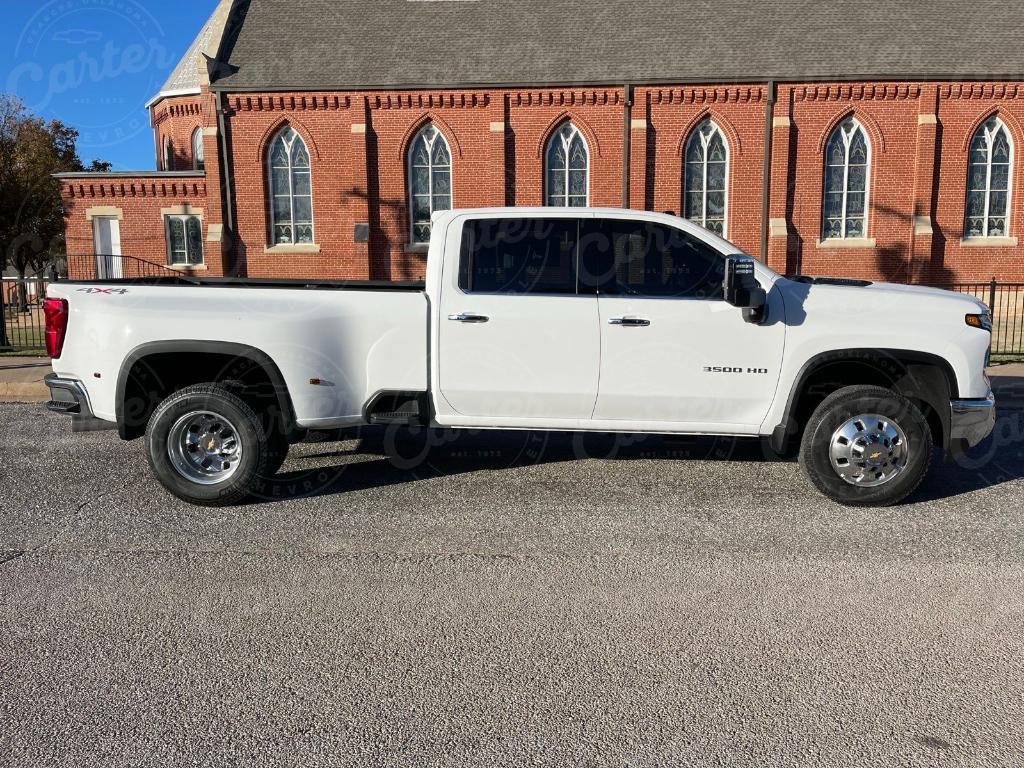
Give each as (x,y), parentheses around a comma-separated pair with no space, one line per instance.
(121,291)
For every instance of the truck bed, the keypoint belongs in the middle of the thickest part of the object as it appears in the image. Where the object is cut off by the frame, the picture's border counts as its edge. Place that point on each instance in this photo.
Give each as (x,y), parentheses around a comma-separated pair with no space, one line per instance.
(336,343)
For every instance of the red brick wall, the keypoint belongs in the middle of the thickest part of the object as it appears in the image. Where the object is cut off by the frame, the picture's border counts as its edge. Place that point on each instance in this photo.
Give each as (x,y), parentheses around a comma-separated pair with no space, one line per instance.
(919,134)
(175,120)
(139,201)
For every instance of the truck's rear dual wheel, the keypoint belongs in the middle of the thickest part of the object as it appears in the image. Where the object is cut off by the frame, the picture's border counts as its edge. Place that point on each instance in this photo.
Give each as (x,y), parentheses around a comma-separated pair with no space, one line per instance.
(208,446)
(866,446)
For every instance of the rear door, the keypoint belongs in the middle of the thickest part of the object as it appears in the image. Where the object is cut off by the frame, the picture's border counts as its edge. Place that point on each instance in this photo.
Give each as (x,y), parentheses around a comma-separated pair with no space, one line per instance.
(518,337)
(673,352)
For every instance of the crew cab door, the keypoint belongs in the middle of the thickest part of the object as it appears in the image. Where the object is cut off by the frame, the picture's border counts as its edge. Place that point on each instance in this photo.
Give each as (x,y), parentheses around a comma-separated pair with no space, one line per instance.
(672,351)
(517,339)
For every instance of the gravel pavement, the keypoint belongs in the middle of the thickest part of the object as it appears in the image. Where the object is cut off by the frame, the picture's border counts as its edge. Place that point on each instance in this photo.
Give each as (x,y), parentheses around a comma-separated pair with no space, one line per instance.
(506,602)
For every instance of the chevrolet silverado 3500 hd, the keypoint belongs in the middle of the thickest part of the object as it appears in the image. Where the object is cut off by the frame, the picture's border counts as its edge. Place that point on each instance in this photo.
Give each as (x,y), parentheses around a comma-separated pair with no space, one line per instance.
(540,319)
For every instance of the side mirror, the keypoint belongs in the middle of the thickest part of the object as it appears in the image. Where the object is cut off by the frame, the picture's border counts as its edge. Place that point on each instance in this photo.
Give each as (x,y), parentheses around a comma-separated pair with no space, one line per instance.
(741,289)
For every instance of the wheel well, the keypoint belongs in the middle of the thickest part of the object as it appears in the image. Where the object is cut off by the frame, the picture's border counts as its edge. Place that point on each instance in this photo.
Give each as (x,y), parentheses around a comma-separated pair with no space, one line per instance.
(924,382)
(150,378)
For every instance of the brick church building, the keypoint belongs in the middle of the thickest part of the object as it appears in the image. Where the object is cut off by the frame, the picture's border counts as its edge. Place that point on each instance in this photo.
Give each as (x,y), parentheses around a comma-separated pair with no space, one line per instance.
(313,139)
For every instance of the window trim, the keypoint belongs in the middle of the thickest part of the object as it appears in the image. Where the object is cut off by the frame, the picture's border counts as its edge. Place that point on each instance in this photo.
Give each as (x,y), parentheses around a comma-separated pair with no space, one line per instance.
(184,217)
(865,234)
(582,219)
(167,157)
(697,133)
(439,134)
(271,238)
(557,135)
(198,152)
(985,236)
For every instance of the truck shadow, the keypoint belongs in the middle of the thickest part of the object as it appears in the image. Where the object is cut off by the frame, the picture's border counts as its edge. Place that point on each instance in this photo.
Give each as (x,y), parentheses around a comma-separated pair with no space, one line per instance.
(376,457)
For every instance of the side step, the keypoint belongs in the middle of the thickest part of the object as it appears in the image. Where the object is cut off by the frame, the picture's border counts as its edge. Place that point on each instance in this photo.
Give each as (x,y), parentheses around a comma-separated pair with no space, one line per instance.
(397,407)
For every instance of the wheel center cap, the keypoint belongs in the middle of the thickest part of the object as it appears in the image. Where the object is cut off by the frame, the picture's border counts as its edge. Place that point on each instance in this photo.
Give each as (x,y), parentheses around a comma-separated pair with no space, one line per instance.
(876,453)
(210,443)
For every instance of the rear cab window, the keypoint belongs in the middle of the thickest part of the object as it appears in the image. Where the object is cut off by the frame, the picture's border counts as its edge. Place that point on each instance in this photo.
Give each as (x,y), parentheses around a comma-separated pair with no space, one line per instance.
(529,255)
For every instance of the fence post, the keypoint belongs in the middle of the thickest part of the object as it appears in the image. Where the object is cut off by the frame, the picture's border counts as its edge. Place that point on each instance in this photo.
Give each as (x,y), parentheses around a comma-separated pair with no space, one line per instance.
(4,345)
(992,296)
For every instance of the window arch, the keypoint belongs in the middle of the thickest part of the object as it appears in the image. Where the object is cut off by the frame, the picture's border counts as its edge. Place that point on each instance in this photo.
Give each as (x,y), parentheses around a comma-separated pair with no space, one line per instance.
(198,162)
(706,171)
(567,168)
(847,171)
(291,193)
(430,180)
(989,171)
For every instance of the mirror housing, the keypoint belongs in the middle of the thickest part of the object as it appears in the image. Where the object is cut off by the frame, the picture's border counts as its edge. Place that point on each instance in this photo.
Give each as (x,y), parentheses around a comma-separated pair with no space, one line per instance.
(741,289)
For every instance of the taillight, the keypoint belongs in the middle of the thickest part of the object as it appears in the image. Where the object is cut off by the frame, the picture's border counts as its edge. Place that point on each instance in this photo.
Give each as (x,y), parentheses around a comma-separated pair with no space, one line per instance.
(56,313)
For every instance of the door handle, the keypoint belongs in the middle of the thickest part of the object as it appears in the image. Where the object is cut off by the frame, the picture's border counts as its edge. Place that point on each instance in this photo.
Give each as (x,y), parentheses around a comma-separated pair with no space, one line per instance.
(468,317)
(632,322)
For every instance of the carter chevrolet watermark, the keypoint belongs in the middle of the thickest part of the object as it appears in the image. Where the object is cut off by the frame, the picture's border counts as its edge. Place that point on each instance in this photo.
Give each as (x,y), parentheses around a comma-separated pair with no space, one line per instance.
(130,53)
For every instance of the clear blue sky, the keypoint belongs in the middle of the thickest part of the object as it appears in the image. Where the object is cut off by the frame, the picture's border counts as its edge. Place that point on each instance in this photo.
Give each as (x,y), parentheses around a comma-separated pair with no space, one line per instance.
(94,63)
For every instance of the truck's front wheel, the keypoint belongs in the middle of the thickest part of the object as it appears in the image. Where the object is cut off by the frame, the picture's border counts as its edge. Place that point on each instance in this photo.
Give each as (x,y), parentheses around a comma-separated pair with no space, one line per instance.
(207,446)
(866,446)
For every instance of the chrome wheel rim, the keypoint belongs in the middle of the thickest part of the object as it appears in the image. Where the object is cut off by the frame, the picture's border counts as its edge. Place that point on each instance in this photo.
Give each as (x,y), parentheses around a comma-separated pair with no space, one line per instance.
(204,447)
(869,450)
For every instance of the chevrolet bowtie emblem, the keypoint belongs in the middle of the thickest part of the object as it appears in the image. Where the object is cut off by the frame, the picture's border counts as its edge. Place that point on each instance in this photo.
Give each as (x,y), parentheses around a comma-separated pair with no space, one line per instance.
(876,454)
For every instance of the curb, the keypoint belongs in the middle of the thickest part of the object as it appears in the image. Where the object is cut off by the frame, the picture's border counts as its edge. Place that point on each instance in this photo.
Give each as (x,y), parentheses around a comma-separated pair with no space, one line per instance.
(33,392)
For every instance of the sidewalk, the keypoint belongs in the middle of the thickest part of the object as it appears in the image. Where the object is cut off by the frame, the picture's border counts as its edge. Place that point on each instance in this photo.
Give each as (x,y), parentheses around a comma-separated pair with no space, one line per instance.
(21,379)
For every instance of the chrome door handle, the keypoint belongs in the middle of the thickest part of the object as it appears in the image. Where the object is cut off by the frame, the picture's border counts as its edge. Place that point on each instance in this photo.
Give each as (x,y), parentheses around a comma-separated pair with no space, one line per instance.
(468,317)
(632,322)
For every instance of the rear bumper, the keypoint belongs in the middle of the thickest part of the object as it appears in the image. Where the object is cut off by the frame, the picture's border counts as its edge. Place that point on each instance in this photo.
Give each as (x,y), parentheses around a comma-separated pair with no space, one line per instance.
(68,396)
(971,421)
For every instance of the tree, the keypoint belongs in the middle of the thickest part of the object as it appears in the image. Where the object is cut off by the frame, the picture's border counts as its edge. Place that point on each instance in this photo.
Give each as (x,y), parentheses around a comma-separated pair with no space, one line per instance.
(31,213)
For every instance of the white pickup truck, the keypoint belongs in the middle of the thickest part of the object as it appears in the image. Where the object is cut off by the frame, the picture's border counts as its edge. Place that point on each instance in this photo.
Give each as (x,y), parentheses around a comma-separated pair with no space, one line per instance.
(540,319)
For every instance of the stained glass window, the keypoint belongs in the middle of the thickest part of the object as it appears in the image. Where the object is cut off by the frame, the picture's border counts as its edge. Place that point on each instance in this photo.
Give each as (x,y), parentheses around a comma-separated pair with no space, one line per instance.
(197,149)
(566,168)
(847,170)
(430,180)
(291,193)
(184,239)
(988,181)
(705,173)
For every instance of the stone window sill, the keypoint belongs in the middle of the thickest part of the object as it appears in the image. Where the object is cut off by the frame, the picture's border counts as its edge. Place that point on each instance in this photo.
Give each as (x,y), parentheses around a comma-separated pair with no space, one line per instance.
(187,267)
(988,242)
(847,242)
(292,248)
(416,247)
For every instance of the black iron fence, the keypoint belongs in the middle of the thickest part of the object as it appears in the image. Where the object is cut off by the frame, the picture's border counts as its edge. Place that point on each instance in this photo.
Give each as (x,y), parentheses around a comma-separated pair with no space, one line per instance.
(1006,302)
(21,307)
(23,323)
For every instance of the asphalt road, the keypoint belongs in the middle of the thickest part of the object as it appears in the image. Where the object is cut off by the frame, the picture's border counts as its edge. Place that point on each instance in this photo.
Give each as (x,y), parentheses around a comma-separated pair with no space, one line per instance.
(506,602)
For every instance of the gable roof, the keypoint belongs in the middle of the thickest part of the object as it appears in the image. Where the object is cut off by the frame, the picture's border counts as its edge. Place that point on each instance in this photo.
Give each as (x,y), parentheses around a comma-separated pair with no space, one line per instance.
(353,44)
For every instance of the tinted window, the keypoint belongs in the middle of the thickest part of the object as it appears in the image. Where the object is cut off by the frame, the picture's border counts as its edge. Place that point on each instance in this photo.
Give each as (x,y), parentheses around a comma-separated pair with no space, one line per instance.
(641,258)
(519,256)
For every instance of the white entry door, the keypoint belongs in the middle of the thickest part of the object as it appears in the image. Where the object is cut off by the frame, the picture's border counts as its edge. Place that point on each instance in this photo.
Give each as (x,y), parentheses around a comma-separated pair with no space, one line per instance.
(106,236)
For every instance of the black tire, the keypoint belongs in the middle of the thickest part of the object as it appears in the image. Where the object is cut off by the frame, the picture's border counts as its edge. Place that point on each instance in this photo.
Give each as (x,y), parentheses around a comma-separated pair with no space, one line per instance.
(839,408)
(256,449)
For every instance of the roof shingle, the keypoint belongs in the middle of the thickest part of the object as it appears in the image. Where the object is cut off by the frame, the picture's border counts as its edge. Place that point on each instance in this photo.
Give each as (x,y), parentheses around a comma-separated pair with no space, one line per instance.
(352,44)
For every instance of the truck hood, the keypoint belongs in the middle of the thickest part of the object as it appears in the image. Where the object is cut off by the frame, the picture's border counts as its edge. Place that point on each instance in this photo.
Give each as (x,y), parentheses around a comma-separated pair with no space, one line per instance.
(844,292)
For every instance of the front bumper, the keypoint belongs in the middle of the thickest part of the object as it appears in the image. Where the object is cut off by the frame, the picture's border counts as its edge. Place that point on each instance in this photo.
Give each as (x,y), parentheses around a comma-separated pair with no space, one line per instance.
(69,396)
(971,421)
